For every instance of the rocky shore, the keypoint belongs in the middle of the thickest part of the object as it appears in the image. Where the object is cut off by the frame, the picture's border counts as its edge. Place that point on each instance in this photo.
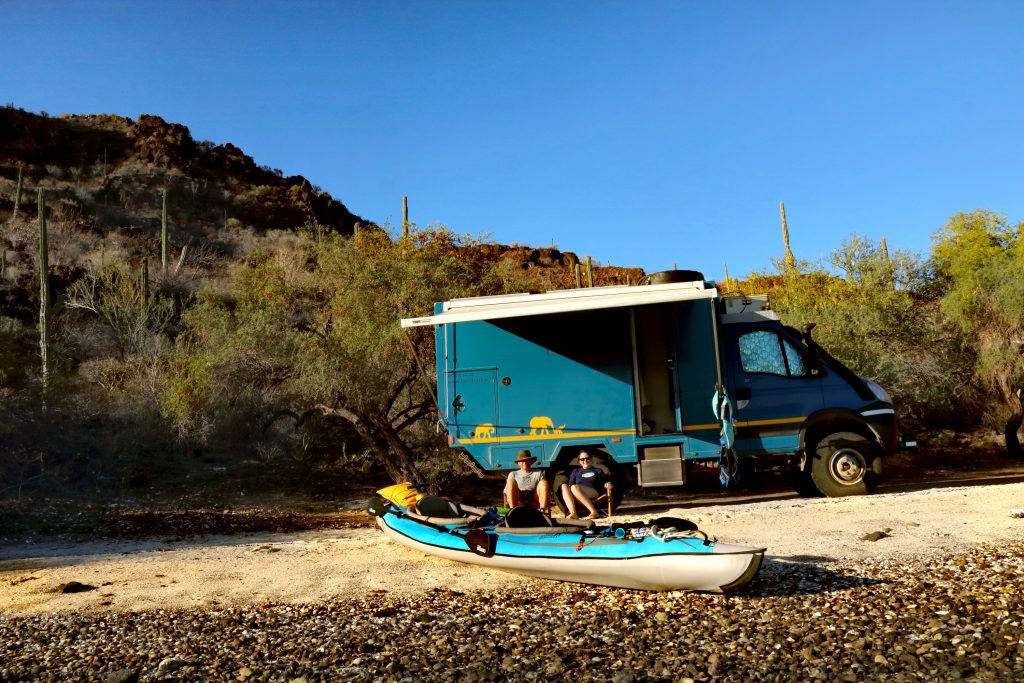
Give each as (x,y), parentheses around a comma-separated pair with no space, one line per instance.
(915,584)
(955,617)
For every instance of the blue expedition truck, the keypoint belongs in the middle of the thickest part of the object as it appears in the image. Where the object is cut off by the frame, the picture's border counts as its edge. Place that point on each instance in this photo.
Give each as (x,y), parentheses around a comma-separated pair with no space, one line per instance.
(631,371)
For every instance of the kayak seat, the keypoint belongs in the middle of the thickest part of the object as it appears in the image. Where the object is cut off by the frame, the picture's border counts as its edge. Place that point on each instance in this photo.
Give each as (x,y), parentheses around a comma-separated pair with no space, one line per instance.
(549,526)
(523,517)
(432,506)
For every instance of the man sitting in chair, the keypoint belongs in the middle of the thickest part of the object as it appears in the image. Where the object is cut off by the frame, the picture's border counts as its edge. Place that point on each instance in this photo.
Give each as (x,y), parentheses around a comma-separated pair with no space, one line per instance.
(527,486)
(585,484)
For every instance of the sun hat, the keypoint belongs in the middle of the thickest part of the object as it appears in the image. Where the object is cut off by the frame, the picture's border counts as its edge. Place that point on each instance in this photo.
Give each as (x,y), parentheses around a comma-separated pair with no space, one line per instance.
(525,456)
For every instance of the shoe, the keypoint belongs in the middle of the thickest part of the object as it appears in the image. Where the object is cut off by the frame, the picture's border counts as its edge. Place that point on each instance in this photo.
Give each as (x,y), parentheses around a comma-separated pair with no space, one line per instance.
(573,515)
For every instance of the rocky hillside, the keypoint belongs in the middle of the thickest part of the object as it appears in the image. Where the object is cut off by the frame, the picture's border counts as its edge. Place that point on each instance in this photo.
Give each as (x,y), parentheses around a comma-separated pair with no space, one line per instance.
(104,179)
(115,169)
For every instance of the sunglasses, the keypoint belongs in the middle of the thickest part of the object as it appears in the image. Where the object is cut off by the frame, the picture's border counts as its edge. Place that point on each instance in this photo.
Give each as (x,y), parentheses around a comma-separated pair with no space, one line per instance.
(584,458)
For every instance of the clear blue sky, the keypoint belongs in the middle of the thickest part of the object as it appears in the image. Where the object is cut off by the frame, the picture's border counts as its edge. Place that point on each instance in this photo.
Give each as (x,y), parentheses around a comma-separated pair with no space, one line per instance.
(640,133)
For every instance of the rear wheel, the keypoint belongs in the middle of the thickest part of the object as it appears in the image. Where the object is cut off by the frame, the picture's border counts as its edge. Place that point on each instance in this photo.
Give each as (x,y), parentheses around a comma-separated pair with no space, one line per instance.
(845,464)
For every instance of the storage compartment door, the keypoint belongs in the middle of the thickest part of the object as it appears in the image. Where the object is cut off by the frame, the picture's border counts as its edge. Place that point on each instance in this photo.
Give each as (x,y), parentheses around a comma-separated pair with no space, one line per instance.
(473,409)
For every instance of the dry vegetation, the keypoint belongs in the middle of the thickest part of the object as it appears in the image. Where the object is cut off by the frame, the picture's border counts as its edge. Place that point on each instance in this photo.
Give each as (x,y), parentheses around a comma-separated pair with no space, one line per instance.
(266,355)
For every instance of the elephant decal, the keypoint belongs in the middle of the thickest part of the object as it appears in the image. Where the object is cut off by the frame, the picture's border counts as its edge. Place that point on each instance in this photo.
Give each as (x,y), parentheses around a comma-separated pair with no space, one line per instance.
(484,431)
(541,424)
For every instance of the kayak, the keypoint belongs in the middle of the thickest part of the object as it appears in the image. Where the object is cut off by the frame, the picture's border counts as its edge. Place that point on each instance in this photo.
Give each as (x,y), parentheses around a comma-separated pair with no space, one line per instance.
(662,555)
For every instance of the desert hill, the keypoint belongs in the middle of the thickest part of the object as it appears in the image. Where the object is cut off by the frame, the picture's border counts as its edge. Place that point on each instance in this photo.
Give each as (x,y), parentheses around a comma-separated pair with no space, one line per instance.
(104,178)
(122,166)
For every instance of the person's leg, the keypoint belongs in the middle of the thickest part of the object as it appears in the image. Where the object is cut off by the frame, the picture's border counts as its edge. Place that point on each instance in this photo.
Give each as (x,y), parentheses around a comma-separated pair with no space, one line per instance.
(544,496)
(569,502)
(511,493)
(586,496)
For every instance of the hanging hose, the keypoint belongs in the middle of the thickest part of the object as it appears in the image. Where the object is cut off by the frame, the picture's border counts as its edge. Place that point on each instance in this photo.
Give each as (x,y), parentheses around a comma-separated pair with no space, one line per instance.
(728,467)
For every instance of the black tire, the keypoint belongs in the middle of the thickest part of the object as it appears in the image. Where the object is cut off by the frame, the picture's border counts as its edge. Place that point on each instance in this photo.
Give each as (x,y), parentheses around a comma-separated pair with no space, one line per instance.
(804,485)
(800,477)
(844,464)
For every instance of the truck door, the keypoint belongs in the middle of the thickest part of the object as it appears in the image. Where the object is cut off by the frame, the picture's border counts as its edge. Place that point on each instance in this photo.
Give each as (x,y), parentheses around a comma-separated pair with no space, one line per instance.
(771,385)
(473,412)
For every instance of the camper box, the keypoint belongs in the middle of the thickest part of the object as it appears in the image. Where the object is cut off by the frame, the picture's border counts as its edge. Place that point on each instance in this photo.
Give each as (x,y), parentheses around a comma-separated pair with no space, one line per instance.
(632,371)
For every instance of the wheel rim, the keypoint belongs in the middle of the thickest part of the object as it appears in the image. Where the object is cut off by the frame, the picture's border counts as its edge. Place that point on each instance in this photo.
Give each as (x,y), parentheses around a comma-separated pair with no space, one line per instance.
(848,466)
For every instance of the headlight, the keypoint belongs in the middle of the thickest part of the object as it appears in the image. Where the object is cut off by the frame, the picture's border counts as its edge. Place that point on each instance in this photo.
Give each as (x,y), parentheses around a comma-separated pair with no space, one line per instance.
(880,393)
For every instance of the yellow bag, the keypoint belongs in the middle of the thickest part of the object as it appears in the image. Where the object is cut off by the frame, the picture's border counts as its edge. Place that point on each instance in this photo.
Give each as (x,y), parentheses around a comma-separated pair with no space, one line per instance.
(404,494)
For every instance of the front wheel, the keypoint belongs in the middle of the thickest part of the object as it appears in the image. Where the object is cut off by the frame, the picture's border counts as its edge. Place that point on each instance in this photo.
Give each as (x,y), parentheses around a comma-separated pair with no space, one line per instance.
(845,464)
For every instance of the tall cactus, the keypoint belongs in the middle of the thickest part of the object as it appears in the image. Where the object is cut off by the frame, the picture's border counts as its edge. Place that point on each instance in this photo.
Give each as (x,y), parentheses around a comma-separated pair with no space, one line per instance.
(44,289)
(890,280)
(17,192)
(144,280)
(790,259)
(405,216)
(163,232)
(590,272)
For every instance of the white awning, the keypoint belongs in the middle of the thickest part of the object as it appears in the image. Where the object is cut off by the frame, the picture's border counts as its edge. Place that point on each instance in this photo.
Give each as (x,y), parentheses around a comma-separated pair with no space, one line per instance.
(561,301)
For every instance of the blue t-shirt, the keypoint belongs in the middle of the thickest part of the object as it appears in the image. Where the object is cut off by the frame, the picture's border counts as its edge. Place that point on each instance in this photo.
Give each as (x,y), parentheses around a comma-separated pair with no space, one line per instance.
(588,476)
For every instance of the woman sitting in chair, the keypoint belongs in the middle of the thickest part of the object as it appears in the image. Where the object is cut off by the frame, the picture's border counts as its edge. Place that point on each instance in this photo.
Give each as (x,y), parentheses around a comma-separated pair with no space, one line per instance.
(585,484)
(527,486)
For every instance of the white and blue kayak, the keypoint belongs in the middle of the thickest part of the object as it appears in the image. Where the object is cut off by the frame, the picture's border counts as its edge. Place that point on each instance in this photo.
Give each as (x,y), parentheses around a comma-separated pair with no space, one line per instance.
(661,555)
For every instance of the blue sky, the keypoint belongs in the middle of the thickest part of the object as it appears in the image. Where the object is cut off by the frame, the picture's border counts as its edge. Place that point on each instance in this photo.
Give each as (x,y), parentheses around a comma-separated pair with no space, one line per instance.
(640,133)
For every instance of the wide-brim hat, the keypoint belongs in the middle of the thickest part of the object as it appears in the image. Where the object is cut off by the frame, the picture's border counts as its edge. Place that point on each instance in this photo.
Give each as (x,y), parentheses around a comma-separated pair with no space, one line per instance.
(525,456)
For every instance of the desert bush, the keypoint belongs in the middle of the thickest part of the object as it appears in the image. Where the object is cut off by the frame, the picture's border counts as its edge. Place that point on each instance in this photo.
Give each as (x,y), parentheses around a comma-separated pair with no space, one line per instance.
(875,321)
(980,257)
(137,316)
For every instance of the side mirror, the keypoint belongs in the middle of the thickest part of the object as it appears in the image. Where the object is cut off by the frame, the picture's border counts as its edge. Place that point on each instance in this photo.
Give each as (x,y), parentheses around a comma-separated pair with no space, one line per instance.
(805,330)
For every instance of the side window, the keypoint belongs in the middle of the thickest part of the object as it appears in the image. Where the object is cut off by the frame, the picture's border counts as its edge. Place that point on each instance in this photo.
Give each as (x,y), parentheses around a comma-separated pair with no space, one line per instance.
(768,353)
(794,359)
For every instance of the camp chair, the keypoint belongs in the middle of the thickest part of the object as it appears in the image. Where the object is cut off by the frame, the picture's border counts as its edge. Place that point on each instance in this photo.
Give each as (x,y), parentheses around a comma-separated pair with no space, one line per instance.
(605,497)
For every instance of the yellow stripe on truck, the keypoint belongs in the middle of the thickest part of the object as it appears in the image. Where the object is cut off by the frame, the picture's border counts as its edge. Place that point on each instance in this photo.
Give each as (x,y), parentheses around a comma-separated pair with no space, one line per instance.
(538,437)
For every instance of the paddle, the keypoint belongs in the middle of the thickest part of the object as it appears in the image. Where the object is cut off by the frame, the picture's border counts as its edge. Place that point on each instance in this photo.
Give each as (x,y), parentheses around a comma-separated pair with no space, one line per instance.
(480,542)
(477,540)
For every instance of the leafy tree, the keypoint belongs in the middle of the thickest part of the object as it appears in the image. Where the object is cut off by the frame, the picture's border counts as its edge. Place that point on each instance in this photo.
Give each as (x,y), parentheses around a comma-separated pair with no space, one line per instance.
(981,257)
(316,333)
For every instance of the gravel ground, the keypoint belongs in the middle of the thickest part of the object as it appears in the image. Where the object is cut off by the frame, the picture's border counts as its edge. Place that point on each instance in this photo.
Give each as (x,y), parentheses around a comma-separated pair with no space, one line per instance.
(922,585)
(949,618)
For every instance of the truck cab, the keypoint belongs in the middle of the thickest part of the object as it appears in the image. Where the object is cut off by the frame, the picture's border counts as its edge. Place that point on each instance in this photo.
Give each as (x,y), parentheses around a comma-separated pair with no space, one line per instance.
(630,371)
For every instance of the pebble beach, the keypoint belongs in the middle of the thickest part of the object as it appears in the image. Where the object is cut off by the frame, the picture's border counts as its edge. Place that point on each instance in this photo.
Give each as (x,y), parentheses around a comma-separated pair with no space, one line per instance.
(939,602)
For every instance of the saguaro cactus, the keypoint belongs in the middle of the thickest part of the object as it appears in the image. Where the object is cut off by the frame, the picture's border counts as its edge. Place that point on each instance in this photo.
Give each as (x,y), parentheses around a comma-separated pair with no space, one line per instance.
(890,280)
(590,272)
(405,216)
(790,259)
(163,232)
(44,288)
(17,192)
(144,280)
